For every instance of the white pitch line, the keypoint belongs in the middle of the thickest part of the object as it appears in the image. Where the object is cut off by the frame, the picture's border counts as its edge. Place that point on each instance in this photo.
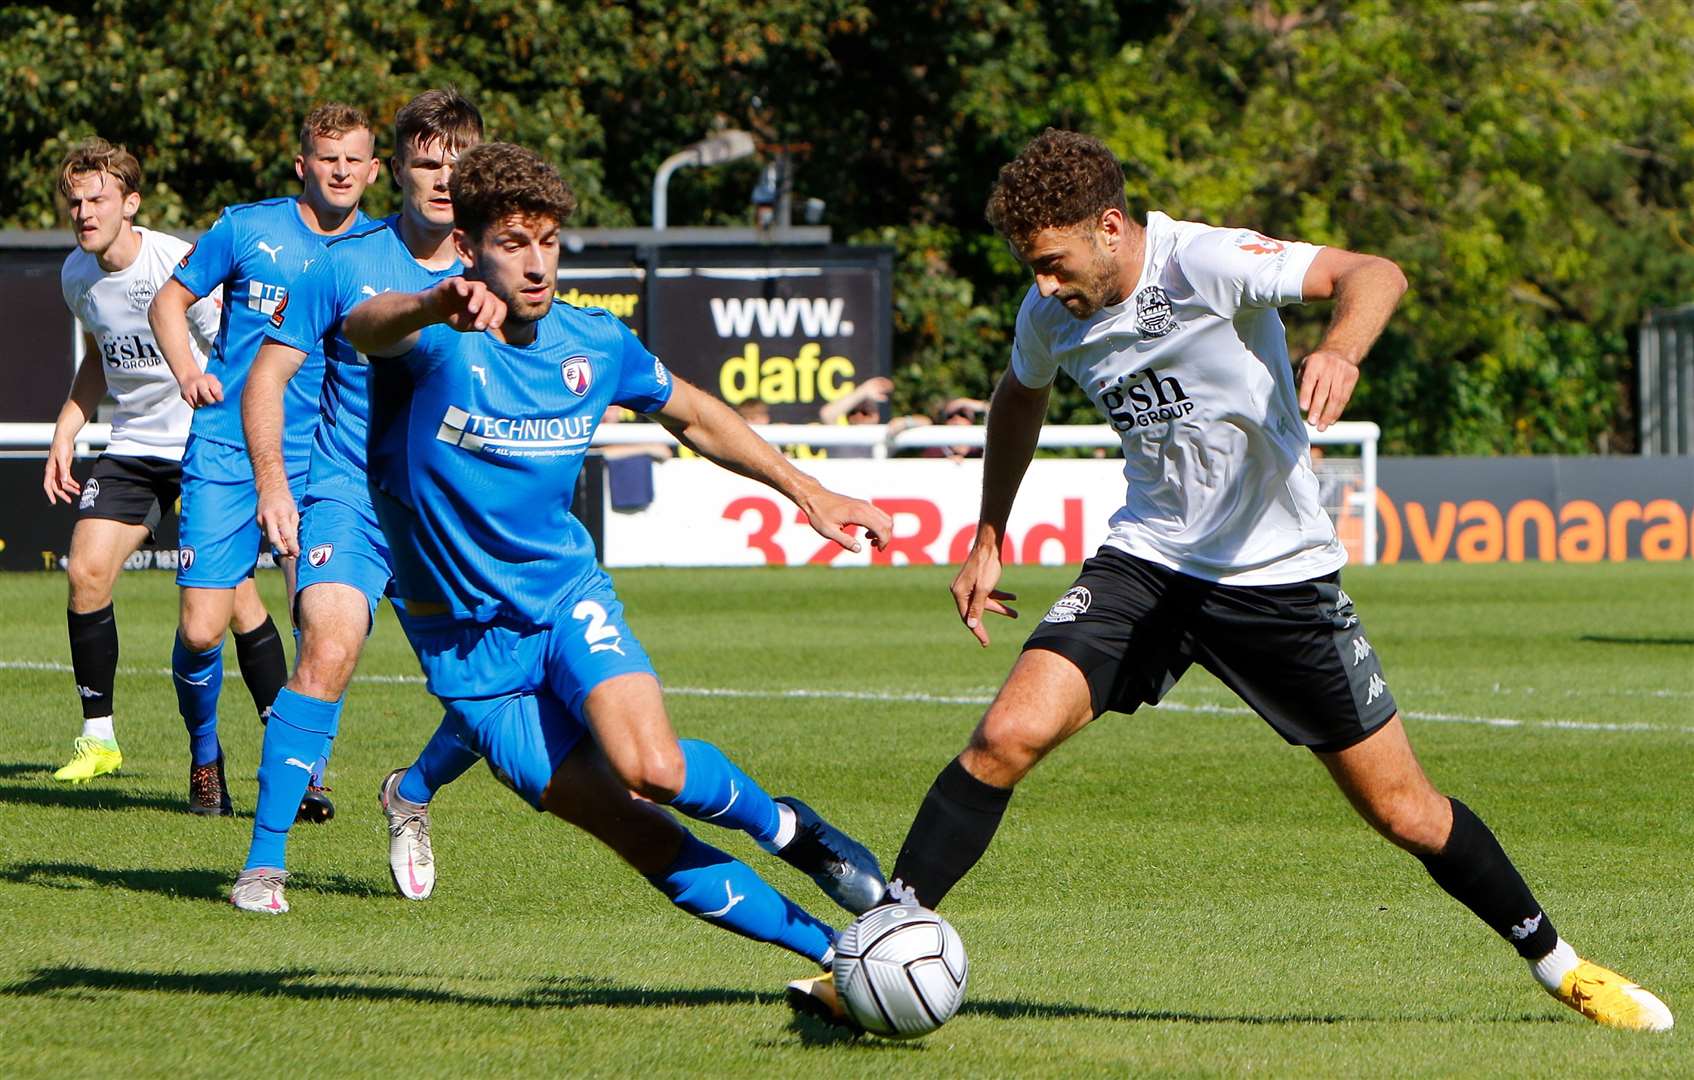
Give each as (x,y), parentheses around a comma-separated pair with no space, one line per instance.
(920,698)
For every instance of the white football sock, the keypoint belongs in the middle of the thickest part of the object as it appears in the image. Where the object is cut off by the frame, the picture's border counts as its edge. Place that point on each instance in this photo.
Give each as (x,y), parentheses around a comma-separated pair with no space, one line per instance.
(1550,970)
(99,727)
(787,824)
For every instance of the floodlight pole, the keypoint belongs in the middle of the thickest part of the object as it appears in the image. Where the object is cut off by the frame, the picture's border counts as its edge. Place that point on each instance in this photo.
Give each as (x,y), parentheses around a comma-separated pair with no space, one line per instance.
(725,146)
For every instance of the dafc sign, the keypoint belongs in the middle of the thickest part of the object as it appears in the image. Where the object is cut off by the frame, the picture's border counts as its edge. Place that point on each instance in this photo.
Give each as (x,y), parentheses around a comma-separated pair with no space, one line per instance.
(1541,509)
(792,328)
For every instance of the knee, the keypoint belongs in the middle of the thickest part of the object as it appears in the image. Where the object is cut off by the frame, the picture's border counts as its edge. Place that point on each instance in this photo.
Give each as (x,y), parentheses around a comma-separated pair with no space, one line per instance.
(325,667)
(655,774)
(199,637)
(91,586)
(1416,822)
(1003,749)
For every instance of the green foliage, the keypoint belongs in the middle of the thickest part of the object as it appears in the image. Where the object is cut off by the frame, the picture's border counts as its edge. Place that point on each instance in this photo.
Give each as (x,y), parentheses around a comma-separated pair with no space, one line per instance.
(1529,165)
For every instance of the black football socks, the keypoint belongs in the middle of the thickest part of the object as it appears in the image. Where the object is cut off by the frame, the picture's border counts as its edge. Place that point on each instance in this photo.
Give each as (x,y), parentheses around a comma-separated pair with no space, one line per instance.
(264,666)
(958,818)
(94,658)
(1475,871)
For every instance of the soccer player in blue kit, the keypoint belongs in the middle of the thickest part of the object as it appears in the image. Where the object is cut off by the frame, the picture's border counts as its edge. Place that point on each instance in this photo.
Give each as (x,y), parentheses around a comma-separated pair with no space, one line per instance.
(346,567)
(256,251)
(498,389)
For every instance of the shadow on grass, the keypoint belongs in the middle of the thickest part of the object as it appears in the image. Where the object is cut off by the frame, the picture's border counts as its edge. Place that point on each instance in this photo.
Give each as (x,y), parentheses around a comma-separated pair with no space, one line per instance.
(306,984)
(91,797)
(194,883)
(27,768)
(1615,639)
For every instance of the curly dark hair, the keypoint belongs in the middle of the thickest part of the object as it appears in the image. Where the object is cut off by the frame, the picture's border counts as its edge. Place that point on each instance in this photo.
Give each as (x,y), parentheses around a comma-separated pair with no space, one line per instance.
(1059,180)
(496,180)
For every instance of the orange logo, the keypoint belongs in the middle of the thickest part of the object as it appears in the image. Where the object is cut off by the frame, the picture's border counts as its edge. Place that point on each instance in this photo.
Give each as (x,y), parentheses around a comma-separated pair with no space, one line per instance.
(1264,245)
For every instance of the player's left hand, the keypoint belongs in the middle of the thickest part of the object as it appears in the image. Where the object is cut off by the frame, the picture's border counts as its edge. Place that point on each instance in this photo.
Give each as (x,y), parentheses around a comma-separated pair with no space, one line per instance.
(1327,380)
(832,516)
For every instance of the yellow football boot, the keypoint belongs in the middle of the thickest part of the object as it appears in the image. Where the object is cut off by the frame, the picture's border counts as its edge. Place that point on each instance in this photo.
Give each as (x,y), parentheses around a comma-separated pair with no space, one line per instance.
(90,758)
(816,997)
(1608,998)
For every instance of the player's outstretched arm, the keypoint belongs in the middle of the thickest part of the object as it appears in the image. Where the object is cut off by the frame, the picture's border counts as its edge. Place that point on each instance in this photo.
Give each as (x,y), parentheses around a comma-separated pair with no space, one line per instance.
(261,420)
(87,388)
(168,316)
(1014,427)
(389,324)
(1366,289)
(714,430)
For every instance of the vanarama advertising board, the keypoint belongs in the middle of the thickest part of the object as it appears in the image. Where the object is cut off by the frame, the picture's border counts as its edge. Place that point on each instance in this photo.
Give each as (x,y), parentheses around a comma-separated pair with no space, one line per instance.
(793,328)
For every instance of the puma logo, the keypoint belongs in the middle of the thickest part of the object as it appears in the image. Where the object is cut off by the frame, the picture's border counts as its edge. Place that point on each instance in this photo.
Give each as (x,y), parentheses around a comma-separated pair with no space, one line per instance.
(273,252)
(729,891)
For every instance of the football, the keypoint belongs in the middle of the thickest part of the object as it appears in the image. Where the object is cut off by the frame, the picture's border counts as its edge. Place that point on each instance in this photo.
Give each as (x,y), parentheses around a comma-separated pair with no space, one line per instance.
(900,971)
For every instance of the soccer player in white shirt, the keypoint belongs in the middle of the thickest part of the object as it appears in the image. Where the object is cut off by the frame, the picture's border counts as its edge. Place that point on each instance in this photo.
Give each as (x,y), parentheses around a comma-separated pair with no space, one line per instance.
(1221,555)
(108,282)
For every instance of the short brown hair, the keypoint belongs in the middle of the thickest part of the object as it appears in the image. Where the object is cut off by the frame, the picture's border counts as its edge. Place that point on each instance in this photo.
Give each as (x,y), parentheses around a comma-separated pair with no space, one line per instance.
(330,120)
(96,155)
(444,115)
(1059,180)
(496,180)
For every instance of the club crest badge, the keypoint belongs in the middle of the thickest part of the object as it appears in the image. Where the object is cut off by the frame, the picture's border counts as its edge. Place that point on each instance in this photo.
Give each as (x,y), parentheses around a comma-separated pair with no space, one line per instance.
(1153,315)
(319,555)
(90,492)
(140,294)
(1069,606)
(185,557)
(578,374)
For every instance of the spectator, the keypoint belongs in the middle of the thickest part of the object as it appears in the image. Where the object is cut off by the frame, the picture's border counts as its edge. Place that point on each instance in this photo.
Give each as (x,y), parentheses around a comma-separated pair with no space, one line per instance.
(960,411)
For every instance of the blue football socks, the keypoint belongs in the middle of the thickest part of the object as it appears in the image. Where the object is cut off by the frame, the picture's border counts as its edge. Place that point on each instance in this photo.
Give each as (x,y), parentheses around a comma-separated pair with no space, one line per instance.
(300,729)
(444,759)
(714,790)
(198,678)
(724,891)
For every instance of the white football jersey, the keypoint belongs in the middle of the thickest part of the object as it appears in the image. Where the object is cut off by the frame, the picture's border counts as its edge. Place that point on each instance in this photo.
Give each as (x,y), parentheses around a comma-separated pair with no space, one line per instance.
(151,419)
(1193,369)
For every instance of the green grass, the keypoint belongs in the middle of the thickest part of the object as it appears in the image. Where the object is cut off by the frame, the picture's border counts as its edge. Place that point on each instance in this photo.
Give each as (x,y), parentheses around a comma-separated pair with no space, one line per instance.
(1176,892)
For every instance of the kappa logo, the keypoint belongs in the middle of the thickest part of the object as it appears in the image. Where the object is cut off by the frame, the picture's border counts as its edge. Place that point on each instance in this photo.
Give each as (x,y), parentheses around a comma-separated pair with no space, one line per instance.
(185,557)
(1069,606)
(1361,649)
(1529,926)
(90,492)
(578,374)
(1376,689)
(320,554)
(140,294)
(86,693)
(1153,316)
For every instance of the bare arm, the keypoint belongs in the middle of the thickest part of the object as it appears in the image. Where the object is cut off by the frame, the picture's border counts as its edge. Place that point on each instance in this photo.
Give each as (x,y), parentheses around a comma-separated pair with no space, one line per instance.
(714,430)
(262,421)
(1014,428)
(389,324)
(87,388)
(871,390)
(1366,289)
(168,316)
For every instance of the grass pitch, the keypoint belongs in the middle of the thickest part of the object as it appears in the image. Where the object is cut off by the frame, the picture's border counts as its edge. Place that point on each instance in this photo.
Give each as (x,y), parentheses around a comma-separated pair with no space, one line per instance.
(1176,892)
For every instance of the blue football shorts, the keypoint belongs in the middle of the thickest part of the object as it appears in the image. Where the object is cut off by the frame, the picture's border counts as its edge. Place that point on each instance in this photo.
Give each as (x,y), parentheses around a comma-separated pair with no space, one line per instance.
(219,535)
(514,695)
(341,543)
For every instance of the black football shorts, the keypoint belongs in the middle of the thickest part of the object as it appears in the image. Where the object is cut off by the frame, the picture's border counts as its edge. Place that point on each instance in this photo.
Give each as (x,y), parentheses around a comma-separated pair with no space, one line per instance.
(1296,653)
(133,490)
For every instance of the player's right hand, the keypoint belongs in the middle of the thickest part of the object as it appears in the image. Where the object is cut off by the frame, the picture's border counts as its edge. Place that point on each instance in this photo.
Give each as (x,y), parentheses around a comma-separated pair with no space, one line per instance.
(467,306)
(974,591)
(57,481)
(280,520)
(202,388)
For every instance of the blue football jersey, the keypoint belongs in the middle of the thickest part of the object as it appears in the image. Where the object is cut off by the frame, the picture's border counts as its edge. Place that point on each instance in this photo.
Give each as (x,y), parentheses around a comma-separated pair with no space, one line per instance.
(256,251)
(478,511)
(354,268)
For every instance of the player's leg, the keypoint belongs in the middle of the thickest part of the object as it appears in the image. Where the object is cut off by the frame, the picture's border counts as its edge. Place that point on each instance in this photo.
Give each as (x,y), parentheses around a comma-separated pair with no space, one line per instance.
(1105,644)
(99,547)
(405,798)
(693,875)
(259,652)
(597,666)
(304,720)
(1383,780)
